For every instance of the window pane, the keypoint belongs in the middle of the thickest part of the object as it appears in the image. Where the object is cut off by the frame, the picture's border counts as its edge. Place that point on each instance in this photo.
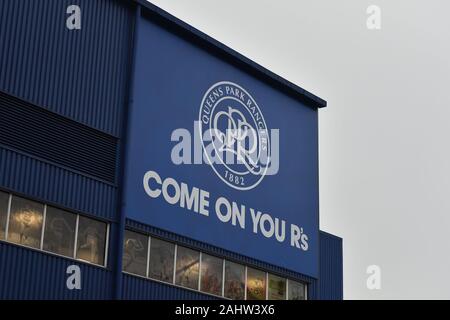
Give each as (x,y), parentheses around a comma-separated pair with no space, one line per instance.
(256,284)
(212,269)
(91,240)
(59,232)
(135,249)
(234,281)
(277,288)
(25,222)
(4,199)
(187,267)
(296,290)
(161,260)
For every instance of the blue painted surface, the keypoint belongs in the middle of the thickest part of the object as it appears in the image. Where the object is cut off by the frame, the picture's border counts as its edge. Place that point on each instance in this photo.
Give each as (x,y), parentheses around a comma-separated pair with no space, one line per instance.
(135,288)
(29,274)
(331,268)
(80,74)
(172,75)
(52,184)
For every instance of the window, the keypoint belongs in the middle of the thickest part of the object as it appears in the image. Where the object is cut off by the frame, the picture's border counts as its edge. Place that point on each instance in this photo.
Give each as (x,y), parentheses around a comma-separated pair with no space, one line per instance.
(297,291)
(135,249)
(234,281)
(25,222)
(276,288)
(4,202)
(179,265)
(187,267)
(161,260)
(59,233)
(256,284)
(211,274)
(91,240)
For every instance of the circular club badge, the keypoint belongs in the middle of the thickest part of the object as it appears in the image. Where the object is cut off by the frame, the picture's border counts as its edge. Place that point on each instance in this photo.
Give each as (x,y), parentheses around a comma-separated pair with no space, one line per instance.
(234,135)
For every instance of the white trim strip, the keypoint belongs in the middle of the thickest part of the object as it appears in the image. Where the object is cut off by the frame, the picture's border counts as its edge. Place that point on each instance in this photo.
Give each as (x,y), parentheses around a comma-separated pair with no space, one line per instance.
(76,237)
(44,218)
(199,271)
(149,243)
(8,216)
(223,277)
(175,263)
(245,287)
(105,260)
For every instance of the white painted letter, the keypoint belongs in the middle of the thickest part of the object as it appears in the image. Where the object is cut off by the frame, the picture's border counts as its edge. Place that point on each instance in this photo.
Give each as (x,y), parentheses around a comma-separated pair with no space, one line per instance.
(149,175)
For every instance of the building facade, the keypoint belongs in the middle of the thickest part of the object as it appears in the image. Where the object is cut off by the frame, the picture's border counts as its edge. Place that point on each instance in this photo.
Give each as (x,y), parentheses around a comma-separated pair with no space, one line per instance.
(96,181)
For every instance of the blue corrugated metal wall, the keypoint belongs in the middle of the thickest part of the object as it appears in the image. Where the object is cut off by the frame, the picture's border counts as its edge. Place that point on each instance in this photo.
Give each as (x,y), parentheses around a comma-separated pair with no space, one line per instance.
(29,274)
(135,288)
(52,184)
(80,74)
(330,284)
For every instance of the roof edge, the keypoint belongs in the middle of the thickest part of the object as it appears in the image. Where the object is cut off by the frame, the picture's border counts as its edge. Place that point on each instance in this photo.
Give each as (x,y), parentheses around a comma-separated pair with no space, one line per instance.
(274,79)
(331,235)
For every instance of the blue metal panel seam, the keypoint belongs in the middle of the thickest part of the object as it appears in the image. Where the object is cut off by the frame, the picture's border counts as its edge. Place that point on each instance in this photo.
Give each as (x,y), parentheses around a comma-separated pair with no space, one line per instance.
(123,160)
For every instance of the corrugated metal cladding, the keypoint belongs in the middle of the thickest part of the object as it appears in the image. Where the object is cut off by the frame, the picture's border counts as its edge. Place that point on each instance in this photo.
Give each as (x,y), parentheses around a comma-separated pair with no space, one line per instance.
(28,274)
(331,268)
(53,137)
(81,75)
(32,177)
(135,288)
(204,247)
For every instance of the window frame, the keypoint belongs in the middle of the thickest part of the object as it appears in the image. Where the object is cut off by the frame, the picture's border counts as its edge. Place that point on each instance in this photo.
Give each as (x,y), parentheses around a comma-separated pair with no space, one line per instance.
(224,261)
(106,245)
(75,233)
(146,254)
(40,248)
(199,267)
(222,288)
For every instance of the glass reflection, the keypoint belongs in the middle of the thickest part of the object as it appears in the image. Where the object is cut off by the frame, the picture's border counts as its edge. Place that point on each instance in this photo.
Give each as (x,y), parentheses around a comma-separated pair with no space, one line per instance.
(234,281)
(59,232)
(277,288)
(161,260)
(25,222)
(135,249)
(296,291)
(187,267)
(256,284)
(91,240)
(212,269)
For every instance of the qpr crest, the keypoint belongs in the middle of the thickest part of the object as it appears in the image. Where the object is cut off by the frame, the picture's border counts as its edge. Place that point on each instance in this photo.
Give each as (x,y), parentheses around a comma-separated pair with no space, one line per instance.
(234,135)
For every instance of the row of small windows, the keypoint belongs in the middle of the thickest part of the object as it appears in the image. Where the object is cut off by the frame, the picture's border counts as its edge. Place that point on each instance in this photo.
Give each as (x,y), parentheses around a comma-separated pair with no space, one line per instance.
(168,262)
(39,226)
(43,227)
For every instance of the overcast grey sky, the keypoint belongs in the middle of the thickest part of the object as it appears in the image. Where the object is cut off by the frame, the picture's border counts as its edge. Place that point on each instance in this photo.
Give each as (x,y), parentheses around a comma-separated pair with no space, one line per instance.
(384,137)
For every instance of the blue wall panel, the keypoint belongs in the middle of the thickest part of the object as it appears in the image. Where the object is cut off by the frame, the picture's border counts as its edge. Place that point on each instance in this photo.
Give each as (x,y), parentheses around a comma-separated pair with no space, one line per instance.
(330,284)
(81,74)
(29,274)
(49,183)
(136,288)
